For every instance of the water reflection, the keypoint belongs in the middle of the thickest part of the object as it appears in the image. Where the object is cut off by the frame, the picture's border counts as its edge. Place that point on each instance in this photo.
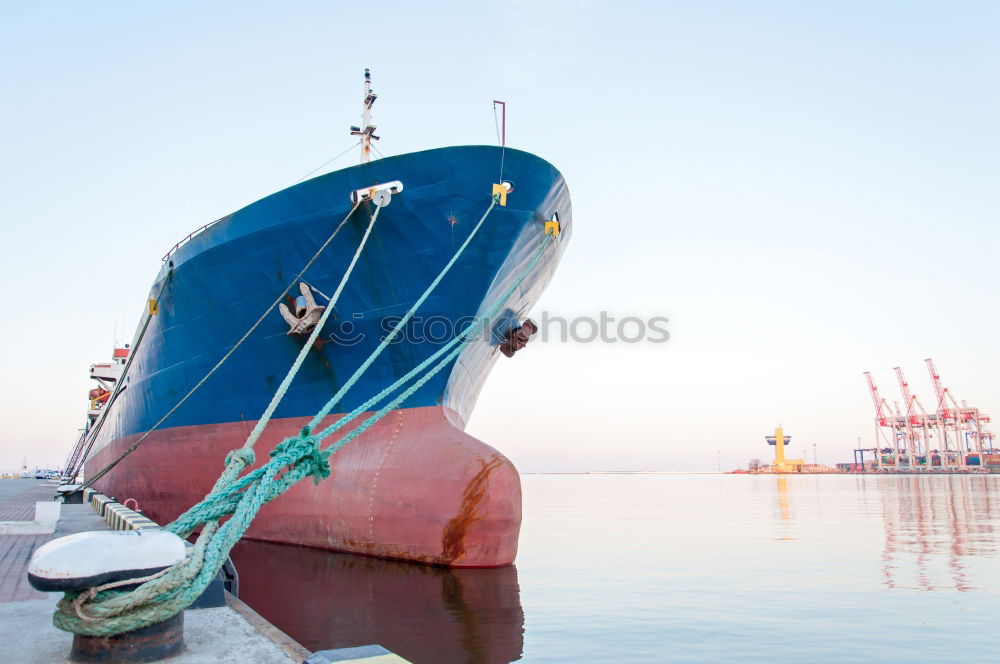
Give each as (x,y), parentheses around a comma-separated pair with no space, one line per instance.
(784,510)
(425,614)
(932,525)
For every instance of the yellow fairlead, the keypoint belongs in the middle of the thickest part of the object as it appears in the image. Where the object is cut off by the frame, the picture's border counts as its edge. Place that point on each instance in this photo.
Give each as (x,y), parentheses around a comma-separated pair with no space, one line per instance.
(502,190)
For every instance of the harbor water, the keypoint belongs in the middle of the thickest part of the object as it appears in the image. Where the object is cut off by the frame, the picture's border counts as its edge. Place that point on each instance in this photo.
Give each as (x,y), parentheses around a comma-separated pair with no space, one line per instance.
(677,568)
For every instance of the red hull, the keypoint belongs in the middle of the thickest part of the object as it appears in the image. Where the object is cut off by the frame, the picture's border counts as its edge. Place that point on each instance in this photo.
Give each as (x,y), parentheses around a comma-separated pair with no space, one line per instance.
(414,487)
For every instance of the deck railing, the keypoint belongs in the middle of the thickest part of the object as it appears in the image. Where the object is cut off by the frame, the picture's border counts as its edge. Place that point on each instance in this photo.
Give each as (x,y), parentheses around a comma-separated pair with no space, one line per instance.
(185,239)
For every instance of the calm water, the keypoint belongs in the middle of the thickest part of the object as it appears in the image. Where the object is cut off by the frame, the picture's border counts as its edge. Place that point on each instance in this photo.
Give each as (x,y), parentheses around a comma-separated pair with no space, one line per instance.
(678,568)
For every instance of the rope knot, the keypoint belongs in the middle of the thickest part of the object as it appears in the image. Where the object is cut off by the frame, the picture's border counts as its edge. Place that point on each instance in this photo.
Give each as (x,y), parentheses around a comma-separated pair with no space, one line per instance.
(304,449)
(244,456)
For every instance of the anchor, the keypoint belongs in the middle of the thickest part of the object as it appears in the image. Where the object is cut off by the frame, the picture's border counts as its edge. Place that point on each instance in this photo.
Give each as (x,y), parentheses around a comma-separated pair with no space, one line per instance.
(307,313)
(517,338)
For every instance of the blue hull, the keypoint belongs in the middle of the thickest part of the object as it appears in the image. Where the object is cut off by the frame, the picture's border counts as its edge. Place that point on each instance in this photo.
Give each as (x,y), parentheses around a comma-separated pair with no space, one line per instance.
(216,285)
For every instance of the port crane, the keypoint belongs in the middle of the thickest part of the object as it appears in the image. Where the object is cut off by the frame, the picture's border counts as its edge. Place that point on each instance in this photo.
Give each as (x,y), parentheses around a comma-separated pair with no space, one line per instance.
(953,435)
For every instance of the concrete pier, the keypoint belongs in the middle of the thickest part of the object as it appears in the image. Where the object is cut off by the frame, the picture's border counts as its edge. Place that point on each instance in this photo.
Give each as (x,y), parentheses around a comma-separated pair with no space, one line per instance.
(233,633)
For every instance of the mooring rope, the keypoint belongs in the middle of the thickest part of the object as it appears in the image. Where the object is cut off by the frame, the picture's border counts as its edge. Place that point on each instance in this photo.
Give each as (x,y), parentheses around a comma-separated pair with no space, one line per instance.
(108,611)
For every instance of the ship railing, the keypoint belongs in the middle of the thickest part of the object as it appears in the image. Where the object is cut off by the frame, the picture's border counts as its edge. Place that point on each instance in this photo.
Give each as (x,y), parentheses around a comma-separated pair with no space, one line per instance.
(98,402)
(186,238)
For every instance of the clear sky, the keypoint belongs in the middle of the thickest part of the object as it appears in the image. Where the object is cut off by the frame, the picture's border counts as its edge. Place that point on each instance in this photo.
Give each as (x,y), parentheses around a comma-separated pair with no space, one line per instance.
(806,190)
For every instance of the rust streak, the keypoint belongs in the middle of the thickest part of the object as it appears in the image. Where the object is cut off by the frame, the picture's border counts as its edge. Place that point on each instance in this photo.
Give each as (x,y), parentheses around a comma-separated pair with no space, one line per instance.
(453,537)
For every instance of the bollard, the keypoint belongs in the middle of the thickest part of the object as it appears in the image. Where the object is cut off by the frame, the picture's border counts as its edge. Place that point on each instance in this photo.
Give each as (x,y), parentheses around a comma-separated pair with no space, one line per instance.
(72,494)
(91,559)
(149,644)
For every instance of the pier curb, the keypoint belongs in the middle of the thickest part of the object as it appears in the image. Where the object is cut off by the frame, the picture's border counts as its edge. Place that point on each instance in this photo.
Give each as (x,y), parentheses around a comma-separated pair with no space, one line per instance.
(290,646)
(117,515)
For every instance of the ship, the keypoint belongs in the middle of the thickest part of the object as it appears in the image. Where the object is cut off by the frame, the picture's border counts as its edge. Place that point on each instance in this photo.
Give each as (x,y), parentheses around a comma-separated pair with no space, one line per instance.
(414,487)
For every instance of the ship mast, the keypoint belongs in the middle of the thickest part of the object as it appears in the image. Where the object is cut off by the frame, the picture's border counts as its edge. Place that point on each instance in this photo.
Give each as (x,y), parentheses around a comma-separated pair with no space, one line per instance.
(367,130)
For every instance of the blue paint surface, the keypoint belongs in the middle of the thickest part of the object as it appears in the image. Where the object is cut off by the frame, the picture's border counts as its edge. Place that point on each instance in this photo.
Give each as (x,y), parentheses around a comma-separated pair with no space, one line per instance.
(223,279)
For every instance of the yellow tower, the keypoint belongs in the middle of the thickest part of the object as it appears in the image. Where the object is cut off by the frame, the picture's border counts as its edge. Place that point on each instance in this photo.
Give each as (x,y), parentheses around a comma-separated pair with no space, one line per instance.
(779,447)
(781,464)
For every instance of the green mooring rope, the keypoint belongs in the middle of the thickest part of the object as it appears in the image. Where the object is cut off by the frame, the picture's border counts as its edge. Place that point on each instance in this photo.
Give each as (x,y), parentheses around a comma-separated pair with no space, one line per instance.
(106,610)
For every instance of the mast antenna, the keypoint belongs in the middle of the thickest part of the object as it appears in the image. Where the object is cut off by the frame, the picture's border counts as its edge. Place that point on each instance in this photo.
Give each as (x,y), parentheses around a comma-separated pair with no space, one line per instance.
(502,131)
(367,130)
